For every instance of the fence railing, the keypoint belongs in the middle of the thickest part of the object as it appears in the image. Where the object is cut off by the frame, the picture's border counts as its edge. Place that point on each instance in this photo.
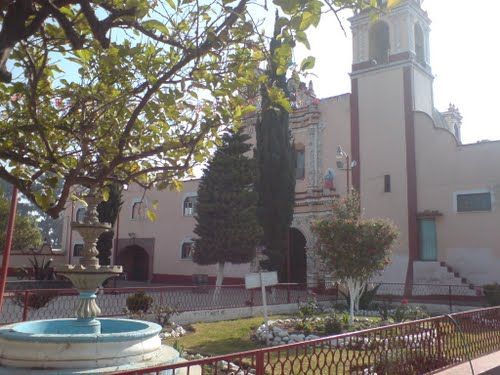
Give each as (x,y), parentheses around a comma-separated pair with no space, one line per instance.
(59,303)
(402,349)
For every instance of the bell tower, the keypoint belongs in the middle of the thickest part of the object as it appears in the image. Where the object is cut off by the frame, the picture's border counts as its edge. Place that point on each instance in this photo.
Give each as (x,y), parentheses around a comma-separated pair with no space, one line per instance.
(395,35)
(391,79)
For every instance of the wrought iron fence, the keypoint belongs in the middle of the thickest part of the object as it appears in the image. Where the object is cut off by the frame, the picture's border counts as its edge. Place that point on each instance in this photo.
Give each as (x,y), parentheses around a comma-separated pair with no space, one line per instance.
(402,349)
(59,303)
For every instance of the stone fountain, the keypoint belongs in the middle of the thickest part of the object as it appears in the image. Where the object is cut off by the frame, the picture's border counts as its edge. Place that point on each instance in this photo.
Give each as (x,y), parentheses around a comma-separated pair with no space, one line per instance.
(85,344)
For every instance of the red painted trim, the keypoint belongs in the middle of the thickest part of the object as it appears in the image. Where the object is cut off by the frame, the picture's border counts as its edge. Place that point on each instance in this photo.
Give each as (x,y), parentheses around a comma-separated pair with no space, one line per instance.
(188,279)
(411,175)
(355,150)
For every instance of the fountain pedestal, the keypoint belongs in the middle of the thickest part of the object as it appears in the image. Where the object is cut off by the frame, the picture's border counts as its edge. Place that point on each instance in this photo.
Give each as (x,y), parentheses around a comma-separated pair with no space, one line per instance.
(87,344)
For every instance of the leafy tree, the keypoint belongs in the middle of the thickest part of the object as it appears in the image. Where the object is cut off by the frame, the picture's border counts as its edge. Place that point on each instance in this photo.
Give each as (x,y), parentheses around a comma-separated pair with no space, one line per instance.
(126,92)
(226,221)
(108,212)
(275,156)
(26,232)
(51,229)
(353,247)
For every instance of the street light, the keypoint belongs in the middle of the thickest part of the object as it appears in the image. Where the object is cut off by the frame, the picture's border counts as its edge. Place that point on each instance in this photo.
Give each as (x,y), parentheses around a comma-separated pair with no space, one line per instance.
(348,166)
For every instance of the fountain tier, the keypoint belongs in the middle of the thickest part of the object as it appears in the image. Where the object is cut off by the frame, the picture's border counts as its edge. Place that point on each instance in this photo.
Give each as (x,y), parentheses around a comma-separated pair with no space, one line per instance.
(55,347)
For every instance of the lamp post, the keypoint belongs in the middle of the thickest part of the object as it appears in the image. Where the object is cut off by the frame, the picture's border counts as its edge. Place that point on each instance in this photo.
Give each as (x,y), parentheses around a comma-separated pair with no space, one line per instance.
(348,166)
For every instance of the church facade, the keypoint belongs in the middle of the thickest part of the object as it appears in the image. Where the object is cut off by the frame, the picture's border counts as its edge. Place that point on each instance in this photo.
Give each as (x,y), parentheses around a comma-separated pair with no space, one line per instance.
(404,157)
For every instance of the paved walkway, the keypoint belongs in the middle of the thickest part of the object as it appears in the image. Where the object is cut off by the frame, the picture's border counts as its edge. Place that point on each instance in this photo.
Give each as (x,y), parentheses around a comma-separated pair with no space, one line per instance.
(486,365)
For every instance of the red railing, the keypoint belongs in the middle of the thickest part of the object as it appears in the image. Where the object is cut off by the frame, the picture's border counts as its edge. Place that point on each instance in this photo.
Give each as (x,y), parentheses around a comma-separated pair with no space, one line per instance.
(402,349)
(59,303)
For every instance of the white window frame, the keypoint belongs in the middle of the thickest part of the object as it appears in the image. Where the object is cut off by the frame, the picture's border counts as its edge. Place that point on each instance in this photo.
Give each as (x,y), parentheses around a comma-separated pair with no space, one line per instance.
(474,191)
(145,206)
(78,209)
(186,240)
(184,197)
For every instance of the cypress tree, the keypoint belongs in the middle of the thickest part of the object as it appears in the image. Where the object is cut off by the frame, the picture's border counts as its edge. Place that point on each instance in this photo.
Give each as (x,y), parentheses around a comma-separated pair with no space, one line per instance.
(108,212)
(226,221)
(275,182)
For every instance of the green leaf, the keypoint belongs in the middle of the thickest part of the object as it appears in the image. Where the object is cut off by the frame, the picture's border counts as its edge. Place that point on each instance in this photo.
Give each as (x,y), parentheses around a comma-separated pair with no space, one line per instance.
(172,4)
(105,193)
(302,38)
(151,215)
(308,63)
(156,25)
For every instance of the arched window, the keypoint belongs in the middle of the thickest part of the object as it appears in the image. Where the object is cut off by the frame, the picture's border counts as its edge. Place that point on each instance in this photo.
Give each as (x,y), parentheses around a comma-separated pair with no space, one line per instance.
(187,249)
(80,214)
(78,250)
(138,212)
(189,206)
(300,162)
(379,43)
(419,44)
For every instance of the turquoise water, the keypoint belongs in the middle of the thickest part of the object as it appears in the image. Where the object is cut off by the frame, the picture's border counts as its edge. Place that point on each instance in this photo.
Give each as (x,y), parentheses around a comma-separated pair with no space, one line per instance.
(70,330)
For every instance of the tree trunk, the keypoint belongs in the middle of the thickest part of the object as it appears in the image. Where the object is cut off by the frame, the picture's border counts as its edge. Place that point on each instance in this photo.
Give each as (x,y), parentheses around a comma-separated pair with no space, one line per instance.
(355,287)
(218,281)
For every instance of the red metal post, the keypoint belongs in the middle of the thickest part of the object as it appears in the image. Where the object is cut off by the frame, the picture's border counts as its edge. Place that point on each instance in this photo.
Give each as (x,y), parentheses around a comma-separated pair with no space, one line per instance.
(347,170)
(288,258)
(8,244)
(259,363)
(70,246)
(449,299)
(25,305)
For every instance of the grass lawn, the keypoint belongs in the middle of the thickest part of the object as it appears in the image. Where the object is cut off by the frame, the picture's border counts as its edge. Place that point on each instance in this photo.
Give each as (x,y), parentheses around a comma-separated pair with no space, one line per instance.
(218,338)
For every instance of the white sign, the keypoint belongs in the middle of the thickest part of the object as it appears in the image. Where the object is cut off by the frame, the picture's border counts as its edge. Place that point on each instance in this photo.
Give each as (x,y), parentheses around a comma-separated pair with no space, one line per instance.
(257,280)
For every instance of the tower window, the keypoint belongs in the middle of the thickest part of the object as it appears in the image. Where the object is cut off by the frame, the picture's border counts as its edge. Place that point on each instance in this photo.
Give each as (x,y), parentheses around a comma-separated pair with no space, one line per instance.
(187,250)
(189,206)
(138,211)
(387,183)
(379,43)
(300,165)
(80,214)
(419,44)
(78,250)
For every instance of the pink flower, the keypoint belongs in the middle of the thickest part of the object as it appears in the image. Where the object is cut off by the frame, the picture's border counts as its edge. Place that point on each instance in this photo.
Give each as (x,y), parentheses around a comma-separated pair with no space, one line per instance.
(58,102)
(404,301)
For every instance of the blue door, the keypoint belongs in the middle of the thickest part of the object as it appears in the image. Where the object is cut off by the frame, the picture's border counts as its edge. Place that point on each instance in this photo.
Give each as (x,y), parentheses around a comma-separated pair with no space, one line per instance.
(428,239)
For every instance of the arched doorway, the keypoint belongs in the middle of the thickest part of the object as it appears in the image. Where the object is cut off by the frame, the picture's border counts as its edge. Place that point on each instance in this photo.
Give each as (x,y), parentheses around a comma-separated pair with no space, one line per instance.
(298,259)
(135,262)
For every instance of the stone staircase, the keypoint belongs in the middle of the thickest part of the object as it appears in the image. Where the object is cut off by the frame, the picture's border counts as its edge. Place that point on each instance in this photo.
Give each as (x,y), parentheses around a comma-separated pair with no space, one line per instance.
(440,273)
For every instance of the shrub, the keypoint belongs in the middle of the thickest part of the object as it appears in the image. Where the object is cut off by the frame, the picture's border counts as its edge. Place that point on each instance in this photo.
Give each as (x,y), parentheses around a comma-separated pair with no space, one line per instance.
(34,301)
(163,314)
(308,310)
(139,302)
(332,325)
(384,309)
(492,294)
(405,312)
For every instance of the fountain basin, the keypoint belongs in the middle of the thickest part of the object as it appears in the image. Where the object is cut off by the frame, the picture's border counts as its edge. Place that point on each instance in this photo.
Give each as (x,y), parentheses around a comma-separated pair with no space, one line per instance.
(57,344)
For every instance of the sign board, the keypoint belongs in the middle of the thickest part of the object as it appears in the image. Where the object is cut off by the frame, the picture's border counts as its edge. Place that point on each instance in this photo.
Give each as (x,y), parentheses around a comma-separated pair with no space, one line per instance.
(261,279)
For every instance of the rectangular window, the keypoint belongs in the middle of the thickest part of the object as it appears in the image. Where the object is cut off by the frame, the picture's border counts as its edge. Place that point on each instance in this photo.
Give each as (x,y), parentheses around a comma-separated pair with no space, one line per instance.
(300,164)
(474,202)
(387,183)
(78,250)
(187,250)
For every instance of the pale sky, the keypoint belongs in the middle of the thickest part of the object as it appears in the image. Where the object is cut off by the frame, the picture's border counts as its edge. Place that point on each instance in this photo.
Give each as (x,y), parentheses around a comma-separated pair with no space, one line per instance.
(464,58)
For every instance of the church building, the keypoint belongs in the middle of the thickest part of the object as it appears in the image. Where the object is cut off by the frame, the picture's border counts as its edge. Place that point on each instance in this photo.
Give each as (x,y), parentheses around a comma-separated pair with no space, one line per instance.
(386,140)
